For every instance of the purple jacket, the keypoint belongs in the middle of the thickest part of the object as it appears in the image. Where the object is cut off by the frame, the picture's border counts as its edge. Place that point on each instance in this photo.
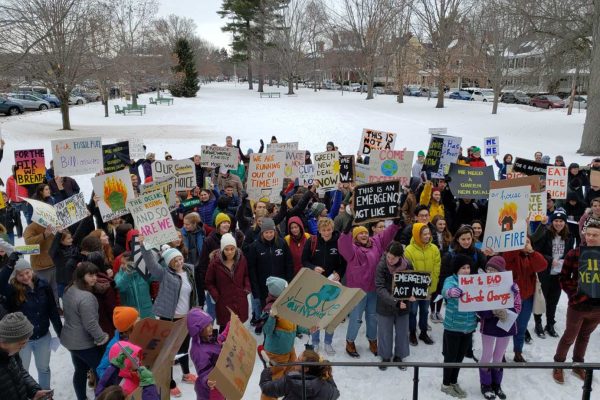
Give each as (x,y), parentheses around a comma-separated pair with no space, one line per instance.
(489,323)
(362,261)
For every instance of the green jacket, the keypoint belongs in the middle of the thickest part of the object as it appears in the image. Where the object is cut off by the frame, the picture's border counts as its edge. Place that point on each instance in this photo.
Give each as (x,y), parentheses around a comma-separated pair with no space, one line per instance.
(134,291)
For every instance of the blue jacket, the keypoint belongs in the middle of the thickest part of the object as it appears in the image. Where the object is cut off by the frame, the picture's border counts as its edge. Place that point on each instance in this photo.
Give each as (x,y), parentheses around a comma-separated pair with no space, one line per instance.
(207,208)
(335,209)
(194,241)
(454,320)
(105,362)
(280,335)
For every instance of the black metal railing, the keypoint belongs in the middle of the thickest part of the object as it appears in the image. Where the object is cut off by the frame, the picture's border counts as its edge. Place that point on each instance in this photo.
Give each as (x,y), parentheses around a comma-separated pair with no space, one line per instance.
(587,367)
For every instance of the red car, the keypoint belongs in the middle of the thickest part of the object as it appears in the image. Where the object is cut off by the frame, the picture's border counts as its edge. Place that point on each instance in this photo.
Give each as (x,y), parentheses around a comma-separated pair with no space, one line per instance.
(547,101)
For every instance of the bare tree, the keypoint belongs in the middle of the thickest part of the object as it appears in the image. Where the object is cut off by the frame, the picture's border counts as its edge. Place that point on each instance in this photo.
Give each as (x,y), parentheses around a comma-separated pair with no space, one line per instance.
(170,28)
(401,46)
(316,22)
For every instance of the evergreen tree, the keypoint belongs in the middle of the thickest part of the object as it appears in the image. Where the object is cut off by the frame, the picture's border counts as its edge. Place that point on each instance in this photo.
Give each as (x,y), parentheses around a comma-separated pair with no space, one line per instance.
(185,83)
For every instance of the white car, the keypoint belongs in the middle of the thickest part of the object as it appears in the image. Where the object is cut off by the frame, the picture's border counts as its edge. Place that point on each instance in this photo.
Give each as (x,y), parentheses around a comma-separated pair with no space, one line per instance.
(29,101)
(77,100)
(483,95)
(579,102)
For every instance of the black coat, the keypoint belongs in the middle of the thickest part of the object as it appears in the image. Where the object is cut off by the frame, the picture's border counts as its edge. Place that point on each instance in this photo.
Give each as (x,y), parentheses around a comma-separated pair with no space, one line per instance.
(15,381)
(542,242)
(65,259)
(268,259)
(10,217)
(386,303)
(290,387)
(324,254)
(478,259)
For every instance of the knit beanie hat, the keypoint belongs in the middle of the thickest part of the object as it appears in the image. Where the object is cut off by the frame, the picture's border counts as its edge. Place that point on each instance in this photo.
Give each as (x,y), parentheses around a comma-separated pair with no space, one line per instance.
(459,260)
(498,263)
(421,153)
(220,218)
(21,265)
(396,249)
(273,138)
(546,159)
(267,225)
(317,208)
(358,230)
(167,155)
(475,149)
(14,328)
(276,285)
(170,254)
(559,213)
(227,240)
(124,318)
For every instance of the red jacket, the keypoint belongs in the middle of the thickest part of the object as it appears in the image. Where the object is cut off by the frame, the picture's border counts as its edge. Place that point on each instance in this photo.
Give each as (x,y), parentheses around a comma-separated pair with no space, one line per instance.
(296,246)
(524,268)
(477,162)
(569,281)
(16,193)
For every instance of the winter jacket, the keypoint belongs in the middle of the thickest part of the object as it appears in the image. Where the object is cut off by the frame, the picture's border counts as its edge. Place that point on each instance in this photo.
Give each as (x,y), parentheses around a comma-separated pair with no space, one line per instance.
(204,356)
(64,258)
(524,268)
(362,260)
(15,381)
(134,291)
(234,180)
(296,245)
(207,208)
(193,241)
(229,287)
(290,386)
(583,223)
(542,241)
(416,170)
(333,212)
(319,253)
(35,234)
(105,362)
(10,217)
(384,280)
(107,301)
(81,329)
(465,213)
(170,285)
(501,169)
(409,206)
(424,257)
(280,334)
(477,162)
(489,322)
(39,306)
(70,187)
(569,283)
(403,236)
(454,320)
(268,258)
(16,193)
(147,167)
(111,377)
(435,208)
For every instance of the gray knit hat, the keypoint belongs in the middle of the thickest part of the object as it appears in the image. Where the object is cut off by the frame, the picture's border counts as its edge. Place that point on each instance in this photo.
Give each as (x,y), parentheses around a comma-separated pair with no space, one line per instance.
(14,328)
(21,265)
(267,225)
(316,209)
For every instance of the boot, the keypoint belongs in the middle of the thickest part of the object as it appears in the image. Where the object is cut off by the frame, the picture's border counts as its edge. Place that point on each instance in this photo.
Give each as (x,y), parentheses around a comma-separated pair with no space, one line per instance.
(400,367)
(351,349)
(412,339)
(550,330)
(499,392)
(527,337)
(496,382)
(558,375)
(519,357)
(383,367)
(373,346)
(539,330)
(425,338)
(580,373)
(488,392)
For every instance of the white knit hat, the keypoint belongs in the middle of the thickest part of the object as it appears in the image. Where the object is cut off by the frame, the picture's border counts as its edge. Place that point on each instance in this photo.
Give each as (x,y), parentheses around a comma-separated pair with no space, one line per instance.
(170,254)
(21,265)
(227,240)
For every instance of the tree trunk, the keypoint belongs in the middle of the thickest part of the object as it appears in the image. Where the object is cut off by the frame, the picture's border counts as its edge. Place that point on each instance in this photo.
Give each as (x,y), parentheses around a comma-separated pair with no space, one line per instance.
(64,111)
(370,81)
(315,71)
(572,97)
(495,105)
(590,141)
(290,85)
(261,77)
(440,98)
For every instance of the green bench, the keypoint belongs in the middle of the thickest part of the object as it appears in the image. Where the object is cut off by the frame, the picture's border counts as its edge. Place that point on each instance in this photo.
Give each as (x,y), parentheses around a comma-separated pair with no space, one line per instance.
(270,94)
(130,109)
(168,100)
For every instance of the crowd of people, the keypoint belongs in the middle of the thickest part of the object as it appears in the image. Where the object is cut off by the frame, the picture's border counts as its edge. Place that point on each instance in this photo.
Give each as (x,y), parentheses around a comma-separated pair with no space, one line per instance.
(235,253)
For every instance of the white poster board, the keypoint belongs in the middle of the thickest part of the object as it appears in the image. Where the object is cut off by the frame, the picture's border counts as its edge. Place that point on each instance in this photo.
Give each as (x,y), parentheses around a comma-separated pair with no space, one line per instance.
(265,176)
(327,170)
(556,182)
(491,146)
(483,292)
(506,227)
(391,165)
(183,170)
(114,190)
(78,156)
(376,140)
(152,219)
(217,156)
(136,149)
(72,210)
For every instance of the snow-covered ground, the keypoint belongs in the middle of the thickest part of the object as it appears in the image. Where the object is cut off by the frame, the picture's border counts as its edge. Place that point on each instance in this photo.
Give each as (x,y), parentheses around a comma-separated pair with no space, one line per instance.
(313,119)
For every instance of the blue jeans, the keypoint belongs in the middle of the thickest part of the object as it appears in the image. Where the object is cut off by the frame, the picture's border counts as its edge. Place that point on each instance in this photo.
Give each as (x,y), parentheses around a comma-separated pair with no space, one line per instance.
(316,337)
(210,307)
(26,209)
(41,351)
(367,306)
(83,361)
(422,307)
(256,308)
(522,321)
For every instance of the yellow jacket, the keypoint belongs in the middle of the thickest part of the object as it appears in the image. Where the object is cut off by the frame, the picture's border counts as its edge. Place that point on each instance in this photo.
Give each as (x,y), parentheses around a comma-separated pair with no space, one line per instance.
(435,208)
(424,257)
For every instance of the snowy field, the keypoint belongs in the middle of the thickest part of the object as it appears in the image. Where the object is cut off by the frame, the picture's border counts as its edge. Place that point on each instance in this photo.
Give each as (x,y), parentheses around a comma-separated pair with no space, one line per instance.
(313,119)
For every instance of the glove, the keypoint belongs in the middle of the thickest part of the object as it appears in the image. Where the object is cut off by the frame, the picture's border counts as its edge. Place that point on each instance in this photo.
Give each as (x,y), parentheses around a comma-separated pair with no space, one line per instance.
(146,377)
(515,288)
(348,227)
(454,292)
(261,142)
(397,220)
(244,196)
(500,314)
(13,258)
(119,361)
(237,143)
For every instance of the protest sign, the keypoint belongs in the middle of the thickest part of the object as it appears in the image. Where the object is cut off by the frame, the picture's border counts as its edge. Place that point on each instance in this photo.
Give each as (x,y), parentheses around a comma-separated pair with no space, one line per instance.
(294,159)
(376,140)
(166,186)
(346,169)
(450,153)
(388,165)
(114,191)
(72,210)
(483,292)
(138,261)
(327,170)
(361,173)
(219,156)
(306,174)
(313,300)
(434,154)
(537,206)
(595,177)
(438,131)
(529,167)
(152,219)
(115,156)
(411,283)
(44,214)
(588,281)
(236,361)
(376,201)
(556,182)
(136,149)
(265,176)
(77,156)
(532,181)
(491,146)
(276,147)
(470,182)
(160,341)
(30,166)
(506,227)
(28,249)
(183,170)
(190,203)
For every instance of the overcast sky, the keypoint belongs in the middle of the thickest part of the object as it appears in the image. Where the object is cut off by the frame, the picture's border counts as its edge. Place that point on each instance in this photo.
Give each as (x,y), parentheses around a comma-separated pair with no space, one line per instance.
(204,13)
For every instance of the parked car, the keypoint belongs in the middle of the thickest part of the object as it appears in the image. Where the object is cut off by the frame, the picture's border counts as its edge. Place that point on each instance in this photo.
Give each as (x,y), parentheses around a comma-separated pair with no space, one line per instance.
(88,96)
(460,95)
(77,100)
(29,101)
(412,91)
(515,98)
(547,101)
(579,102)
(483,95)
(335,86)
(379,89)
(448,92)
(10,107)
(50,98)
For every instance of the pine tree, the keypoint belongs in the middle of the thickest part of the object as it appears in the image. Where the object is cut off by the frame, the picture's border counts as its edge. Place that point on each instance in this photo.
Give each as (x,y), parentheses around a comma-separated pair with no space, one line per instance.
(185,83)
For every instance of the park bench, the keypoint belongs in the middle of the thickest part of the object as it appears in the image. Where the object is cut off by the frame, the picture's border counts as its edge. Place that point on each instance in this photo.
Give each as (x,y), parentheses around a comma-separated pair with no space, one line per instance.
(168,100)
(119,110)
(152,100)
(139,107)
(270,94)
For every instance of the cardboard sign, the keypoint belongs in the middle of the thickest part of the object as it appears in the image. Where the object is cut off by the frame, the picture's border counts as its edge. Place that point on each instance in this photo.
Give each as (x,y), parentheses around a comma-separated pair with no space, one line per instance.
(164,185)
(160,341)
(595,178)
(115,156)
(529,167)
(483,292)
(136,149)
(556,182)
(588,281)
(218,156)
(327,170)
(277,147)
(306,174)
(346,169)
(152,219)
(532,181)
(376,201)
(470,182)
(313,300)
(236,361)
(389,165)
(506,227)
(114,190)
(79,156)
(294,159)
(71,210)
(434,154)
(43,213)
(491,146)
(183,170)
(537,206)
(411,283)
(31,167)
(450,153)
(265,176)
(361,173)
(376,140)
(28,249)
